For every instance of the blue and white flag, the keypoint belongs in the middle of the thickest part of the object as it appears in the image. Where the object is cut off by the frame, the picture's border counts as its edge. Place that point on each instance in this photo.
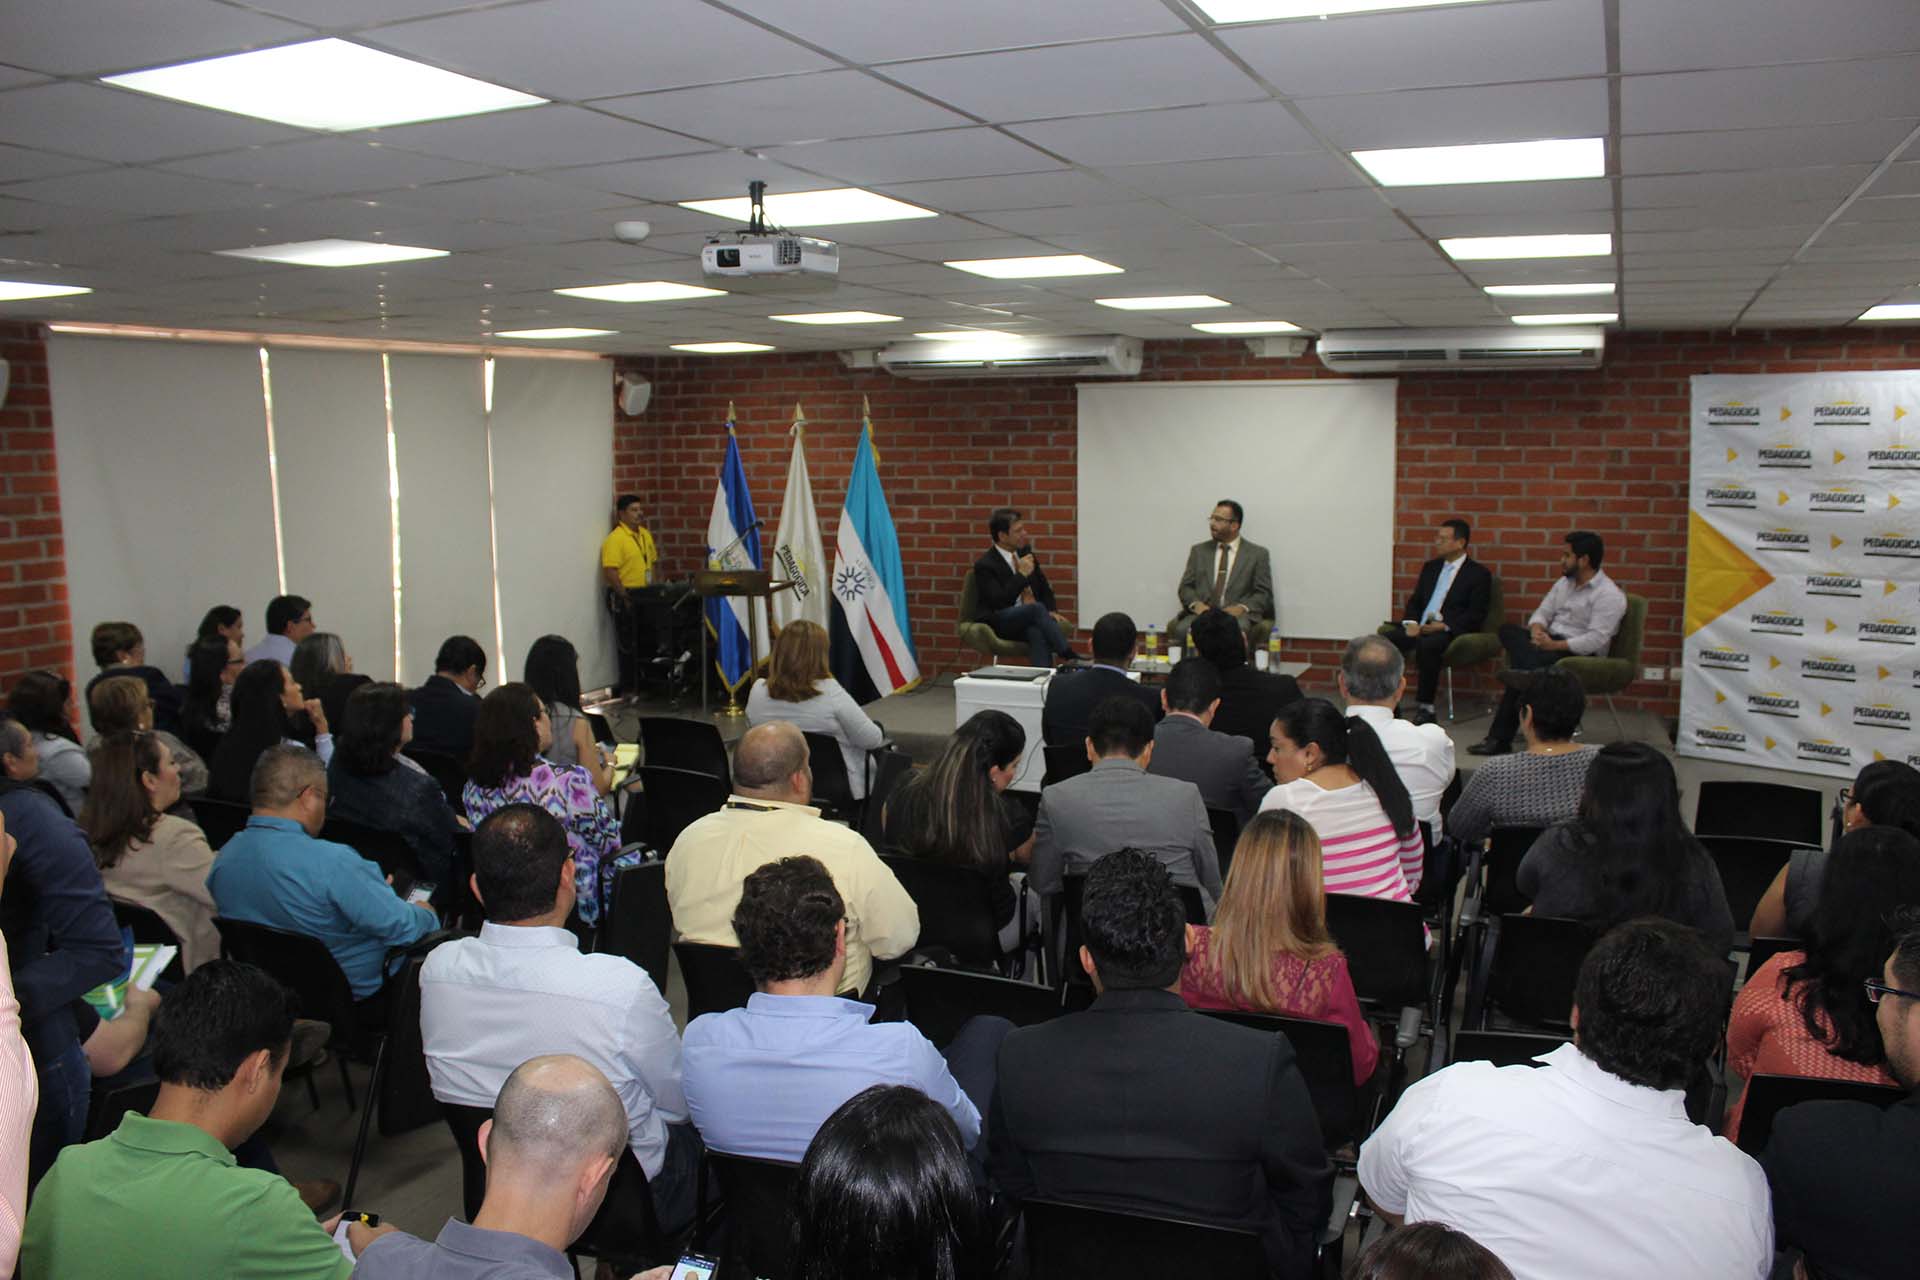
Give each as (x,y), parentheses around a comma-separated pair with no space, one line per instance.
(871,648)
(727,616)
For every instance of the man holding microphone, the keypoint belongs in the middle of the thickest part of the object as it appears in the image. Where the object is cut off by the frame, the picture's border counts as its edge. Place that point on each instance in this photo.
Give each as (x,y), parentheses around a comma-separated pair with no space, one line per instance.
(1014,596)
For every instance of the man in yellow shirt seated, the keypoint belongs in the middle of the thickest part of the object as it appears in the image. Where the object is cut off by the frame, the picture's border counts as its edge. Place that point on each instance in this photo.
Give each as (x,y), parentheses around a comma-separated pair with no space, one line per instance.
(627,557)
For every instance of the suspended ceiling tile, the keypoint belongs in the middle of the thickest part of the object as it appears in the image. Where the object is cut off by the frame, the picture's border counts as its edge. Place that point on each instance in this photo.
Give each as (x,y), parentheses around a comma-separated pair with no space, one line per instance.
(882,30)
(1791,186)
(1179,133)
(786,109)
(1503,197)
(1106,75)
(1659,35)
(914,157)
(327,165)
(94,37)
(1048,190)
(1761,97)
(1448,117)
(706,176)
(1198,179)
(114,124)
(17,164)
(143,192)
(1709,150)
(536,138)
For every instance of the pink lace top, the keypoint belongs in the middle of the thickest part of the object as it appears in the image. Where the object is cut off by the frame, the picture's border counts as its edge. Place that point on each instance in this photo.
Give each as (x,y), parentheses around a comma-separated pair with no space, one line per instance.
(1320,989)
(1766,1036)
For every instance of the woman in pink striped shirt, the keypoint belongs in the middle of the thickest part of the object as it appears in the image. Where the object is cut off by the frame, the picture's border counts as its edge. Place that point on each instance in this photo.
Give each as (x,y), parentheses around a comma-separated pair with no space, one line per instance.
(1333,772)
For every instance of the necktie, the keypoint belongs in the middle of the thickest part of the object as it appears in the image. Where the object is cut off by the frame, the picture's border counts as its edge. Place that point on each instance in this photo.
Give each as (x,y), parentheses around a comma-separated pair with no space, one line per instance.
(1220,579)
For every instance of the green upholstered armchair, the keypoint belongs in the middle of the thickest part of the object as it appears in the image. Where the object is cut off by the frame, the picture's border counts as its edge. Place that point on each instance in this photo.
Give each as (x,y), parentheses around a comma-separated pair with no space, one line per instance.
(1475,647)
(980,635)
(1613,673)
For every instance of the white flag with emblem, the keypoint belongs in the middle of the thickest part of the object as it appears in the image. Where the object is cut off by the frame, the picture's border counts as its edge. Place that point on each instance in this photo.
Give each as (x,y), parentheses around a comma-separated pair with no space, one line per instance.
(798,554)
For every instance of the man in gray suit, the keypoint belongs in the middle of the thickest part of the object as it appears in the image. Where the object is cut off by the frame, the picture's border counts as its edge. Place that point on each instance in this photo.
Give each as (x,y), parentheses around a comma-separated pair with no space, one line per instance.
(1226,572)
(1186,747)
(1119,805)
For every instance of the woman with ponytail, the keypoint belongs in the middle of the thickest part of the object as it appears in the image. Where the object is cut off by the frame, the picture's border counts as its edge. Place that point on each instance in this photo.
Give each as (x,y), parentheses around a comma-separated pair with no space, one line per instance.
(1333,772)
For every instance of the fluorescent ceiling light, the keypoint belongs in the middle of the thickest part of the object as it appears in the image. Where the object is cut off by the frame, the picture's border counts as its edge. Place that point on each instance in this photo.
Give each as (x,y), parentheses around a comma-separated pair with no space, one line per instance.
(17,290)
(546,334)
(325,84)
(1052,264)
(1546,290)
(836,317)
(836,207)
(721,348)
(1487,162)
(962,335)
(641,291)
(1572,317)
(1893,311)
(1248,326)
(1225,11)
(1469,248)
(1171,302)
(333,253)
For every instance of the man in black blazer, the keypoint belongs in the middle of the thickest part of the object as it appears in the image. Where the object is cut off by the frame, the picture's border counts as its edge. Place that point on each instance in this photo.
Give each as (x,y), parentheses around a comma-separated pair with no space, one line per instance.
(1074,692)
(1186,747)
(1450,599)
(1140,1103)
(445,706)
(1249,698)
(1013,595)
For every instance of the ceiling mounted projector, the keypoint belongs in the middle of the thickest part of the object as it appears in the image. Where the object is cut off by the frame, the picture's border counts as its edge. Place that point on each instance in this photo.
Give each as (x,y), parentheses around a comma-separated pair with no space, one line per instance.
(768,254)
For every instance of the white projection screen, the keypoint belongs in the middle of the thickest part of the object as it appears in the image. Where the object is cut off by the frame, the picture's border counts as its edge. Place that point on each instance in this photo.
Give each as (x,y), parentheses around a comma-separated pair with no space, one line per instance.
(1311,461)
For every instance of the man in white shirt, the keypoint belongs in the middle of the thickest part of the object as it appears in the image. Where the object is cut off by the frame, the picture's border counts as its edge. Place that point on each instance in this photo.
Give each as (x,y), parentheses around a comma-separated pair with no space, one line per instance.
(1586,1167)
(1577,619)
(1373,679)
(523,989)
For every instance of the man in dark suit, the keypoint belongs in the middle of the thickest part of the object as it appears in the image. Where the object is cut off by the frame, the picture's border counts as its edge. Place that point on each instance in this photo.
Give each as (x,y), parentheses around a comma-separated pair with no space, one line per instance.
(1185,746)
(1225,573)
(445,706)
(1014,595)
(1249,698)
(1073,693)
(1140,1103)
(1450,599)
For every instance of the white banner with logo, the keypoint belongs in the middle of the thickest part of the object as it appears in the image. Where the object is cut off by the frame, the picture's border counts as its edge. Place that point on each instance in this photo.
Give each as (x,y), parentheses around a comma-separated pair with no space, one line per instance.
(1803,571)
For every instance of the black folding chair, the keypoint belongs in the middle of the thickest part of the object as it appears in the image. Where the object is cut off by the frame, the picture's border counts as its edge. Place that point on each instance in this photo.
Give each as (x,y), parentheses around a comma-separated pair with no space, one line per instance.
(1528,970)
(940,1001)
(1765,810)
(389,849)
(674,798)
(1761,950)
(447,770)
(146,926)
(1506,846)
(716,980)
(754,1238)
(1226,834)
(1393,974)
(1502,1048)
(677,743)
(890,768)
(1078,1242)
(1065,762)
(220,820)
(956,909)
(1325,1057)
(638,923)
(1767,1096)
(1075,986)
(832,788)
(1747,866)
(109,1103)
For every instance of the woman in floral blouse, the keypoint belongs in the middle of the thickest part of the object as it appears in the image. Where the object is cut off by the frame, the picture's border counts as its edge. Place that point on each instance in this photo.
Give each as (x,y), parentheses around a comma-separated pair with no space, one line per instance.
(507,767)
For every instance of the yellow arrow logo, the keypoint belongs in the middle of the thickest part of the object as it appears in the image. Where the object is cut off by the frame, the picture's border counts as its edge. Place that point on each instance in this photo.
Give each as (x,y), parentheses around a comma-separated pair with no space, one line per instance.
(1783,497)
(1878,757)
(1838,457)
(1825,709)
(1719,697)
(1832,626)
(1899,412)
(1884,673)
(1772,663)
(1731,455)
(1889,588)
(1892,501)
(1769,742)
(1834,542)
(1785,413)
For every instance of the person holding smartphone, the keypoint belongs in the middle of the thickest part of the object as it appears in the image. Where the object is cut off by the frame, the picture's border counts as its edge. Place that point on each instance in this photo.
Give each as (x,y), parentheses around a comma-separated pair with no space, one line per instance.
(1014,596)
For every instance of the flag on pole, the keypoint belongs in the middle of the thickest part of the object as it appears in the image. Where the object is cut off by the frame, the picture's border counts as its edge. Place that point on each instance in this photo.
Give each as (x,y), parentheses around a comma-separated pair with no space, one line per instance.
(871,650)
(797,551)
(727,617)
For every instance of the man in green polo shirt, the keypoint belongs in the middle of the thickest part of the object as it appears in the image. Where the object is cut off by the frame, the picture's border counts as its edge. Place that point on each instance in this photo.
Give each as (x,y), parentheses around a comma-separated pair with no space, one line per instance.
(161,1197)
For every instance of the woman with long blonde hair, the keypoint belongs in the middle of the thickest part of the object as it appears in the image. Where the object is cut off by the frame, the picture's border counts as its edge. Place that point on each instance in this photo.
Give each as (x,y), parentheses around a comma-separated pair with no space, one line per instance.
(1268,949)
(801,690)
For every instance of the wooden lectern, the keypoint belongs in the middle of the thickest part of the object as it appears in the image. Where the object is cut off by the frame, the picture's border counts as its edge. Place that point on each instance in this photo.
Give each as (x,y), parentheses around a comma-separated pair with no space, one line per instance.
(755,584)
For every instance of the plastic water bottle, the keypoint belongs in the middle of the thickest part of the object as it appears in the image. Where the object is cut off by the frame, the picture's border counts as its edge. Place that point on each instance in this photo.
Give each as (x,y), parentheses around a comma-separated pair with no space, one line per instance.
(1153,640)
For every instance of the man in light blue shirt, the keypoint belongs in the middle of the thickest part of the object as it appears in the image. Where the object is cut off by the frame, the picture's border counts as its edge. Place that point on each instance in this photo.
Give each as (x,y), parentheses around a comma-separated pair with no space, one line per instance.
(275,873)
(761,1080)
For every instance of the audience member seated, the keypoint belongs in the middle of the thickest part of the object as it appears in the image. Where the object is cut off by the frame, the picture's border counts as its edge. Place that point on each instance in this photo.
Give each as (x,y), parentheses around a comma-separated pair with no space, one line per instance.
(761,1080)
(523,987)
(19,757)
(121,704)
(1536,787)
(1588,1165)
(1845,1176)
(267,711)
(1140,1103)
(146,855)
(212,667)
(19,1094)
(552,671)
(800,689)
(445,706)
(1806,1012)
(1074,692)
(551,1149)
(1429,1251)
(1373,679)
(1333,771)
(1886,794)
(509,765)
(1626,853)
(373,784)
(1268,950)
(1186,747)
(289,621)
(277,873)
(323,669)
(39,702)
(62,942)
(121,650)
(1117,804)
(957,810)
(765,819)
(221,622)
(162,1196)
(1249,697)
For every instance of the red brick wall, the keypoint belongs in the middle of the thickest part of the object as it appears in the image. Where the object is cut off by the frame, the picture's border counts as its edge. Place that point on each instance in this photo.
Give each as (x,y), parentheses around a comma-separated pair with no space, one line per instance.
(1524,456)
(34,628)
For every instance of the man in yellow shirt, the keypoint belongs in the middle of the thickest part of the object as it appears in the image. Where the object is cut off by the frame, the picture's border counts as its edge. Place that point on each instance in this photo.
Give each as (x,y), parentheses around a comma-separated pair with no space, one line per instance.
(627,558)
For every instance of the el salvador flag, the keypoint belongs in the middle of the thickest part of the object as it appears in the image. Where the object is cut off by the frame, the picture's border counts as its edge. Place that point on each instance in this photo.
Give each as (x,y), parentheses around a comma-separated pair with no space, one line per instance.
(727,615)
(871,649)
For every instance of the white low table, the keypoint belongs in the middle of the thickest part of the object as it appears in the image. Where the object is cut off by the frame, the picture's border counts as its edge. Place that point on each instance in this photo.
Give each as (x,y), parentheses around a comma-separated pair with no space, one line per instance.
(1020,698)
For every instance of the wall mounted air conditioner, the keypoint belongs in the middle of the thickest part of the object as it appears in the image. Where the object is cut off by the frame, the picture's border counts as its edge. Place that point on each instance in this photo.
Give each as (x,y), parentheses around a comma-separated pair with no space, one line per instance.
(1097,357)
(1461,350)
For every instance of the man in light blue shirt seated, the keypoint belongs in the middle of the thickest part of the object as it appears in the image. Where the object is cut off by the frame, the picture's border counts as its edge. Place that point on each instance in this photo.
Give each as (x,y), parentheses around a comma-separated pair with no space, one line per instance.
(761,1080)
(274,872)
